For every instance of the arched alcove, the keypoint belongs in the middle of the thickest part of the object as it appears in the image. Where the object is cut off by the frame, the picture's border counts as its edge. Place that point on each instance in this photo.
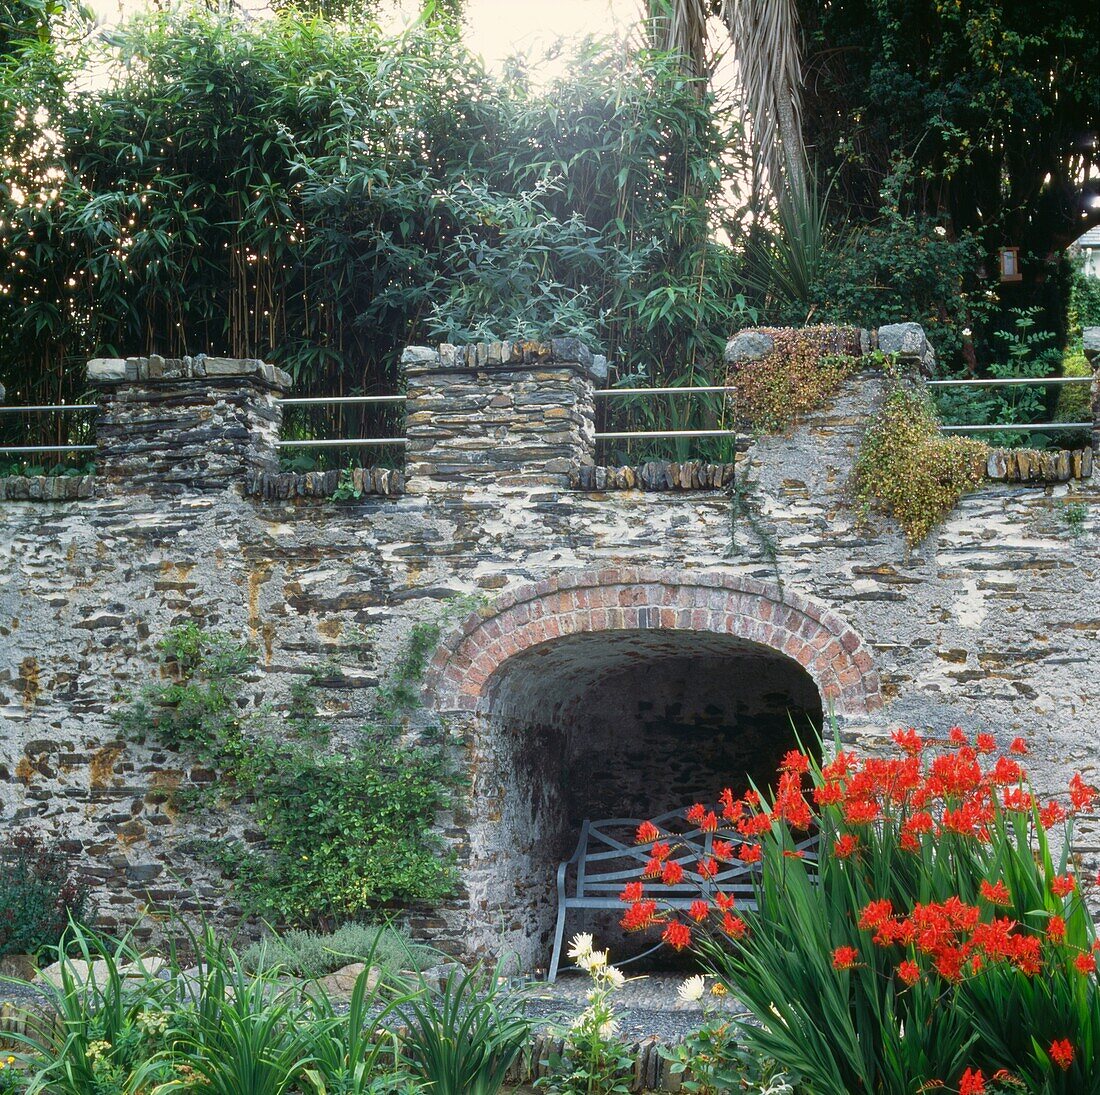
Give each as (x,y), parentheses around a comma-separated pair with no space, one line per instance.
(624,693)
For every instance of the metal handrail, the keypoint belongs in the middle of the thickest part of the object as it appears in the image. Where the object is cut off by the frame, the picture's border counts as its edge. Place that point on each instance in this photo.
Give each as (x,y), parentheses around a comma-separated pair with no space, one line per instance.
(16,409)
(663,391)
(48,448)
(299,401)
(1019,427)
(1022,382)
(320,443)
(667,433)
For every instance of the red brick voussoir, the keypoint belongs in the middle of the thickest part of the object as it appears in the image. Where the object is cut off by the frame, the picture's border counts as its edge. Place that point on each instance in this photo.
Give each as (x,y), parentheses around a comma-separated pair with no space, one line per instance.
(636,598)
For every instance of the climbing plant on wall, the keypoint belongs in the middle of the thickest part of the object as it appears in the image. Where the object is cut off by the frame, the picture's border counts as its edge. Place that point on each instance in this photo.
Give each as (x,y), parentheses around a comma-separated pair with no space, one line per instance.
(346,825)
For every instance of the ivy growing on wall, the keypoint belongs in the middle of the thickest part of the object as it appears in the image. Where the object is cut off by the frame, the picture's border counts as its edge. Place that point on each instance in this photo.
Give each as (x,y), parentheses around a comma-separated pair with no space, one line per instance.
(346,827)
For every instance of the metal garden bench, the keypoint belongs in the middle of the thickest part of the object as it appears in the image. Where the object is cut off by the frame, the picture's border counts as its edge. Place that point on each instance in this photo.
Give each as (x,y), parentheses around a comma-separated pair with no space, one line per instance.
(607,858)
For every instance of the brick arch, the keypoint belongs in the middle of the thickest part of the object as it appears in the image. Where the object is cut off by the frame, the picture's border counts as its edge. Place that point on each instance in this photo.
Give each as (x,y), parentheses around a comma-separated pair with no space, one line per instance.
(640,599)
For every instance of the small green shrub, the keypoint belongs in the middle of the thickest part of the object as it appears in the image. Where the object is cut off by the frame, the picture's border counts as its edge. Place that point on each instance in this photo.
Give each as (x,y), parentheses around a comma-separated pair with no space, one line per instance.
(1074,515)
(38,895)
(1074,400)
(908,469)
(310,955)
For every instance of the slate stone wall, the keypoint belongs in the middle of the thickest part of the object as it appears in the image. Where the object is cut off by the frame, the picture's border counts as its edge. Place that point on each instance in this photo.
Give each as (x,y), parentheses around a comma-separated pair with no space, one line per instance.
(993,623)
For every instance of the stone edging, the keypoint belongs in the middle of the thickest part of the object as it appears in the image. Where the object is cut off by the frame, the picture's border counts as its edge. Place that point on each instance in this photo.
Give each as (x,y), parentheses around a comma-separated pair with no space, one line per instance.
(321,485)
(1039,465)
(46,488)
(664,475)
(104,371)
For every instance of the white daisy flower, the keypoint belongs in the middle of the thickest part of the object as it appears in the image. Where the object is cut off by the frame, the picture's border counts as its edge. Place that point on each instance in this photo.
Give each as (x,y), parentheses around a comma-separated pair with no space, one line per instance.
(692,989)
(580,946)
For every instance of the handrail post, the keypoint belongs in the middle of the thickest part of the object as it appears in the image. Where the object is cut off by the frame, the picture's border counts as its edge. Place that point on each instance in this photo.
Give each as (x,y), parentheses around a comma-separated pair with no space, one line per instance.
(1090,338)
(514,414)
(185,425)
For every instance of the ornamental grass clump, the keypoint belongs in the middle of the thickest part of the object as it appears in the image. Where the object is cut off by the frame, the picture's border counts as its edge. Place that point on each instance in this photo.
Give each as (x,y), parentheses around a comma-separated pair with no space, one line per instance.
(938,937)
(911,471)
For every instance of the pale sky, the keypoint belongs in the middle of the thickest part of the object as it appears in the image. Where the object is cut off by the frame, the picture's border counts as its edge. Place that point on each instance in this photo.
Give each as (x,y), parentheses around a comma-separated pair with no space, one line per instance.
(494,28)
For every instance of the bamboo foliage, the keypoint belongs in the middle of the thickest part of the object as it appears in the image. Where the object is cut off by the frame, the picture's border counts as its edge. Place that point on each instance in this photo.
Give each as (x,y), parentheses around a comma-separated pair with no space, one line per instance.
(320,195)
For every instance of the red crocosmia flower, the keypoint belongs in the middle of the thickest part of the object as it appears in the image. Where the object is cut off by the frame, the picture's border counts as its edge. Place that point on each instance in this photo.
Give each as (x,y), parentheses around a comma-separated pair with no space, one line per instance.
(652,868)
(909,971)
(697,813)
(1026,955)
(707,868)
(995,893)
(1017,799)
(640,915)
(1006,771)
(661,851)
(874,913)
(1019,747)
(699,910)
(677,935)
(846,846)
(1063,885)
(972,1082)
(754,825)
(861,812)
(1081,795)
(750,853)
(722,849)
(1061,1053)
(957,736)
(752,799)
(1053,813)
(909,843)
(844,958)
(790,853)
(734,926)
(632,891)
(984,743)
(909,740)
(1085,963)
(948,963)
(732,808)
(646,833)
(828,794)
(794,761)
(724,901)
(1056,929)
(672,874)
(709,824)
(839,766)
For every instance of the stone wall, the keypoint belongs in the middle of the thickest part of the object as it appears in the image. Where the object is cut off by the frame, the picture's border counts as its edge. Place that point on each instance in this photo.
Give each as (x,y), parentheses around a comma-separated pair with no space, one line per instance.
(993,623)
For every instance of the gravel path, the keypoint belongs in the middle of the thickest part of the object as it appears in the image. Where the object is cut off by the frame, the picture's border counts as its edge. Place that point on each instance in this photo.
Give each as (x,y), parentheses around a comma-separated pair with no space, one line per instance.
(648,1005)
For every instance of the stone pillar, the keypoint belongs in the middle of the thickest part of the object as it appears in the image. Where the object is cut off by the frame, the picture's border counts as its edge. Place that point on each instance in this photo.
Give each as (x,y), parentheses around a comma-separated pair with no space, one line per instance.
(498,413)
(183,425)
(1090,338)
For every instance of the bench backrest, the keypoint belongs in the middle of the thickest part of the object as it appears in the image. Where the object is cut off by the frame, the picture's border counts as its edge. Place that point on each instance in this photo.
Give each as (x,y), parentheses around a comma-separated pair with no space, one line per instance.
(607,859)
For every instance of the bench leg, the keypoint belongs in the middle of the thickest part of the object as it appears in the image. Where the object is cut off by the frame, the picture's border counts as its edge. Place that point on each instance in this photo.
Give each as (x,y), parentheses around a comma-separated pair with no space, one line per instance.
(559,930)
